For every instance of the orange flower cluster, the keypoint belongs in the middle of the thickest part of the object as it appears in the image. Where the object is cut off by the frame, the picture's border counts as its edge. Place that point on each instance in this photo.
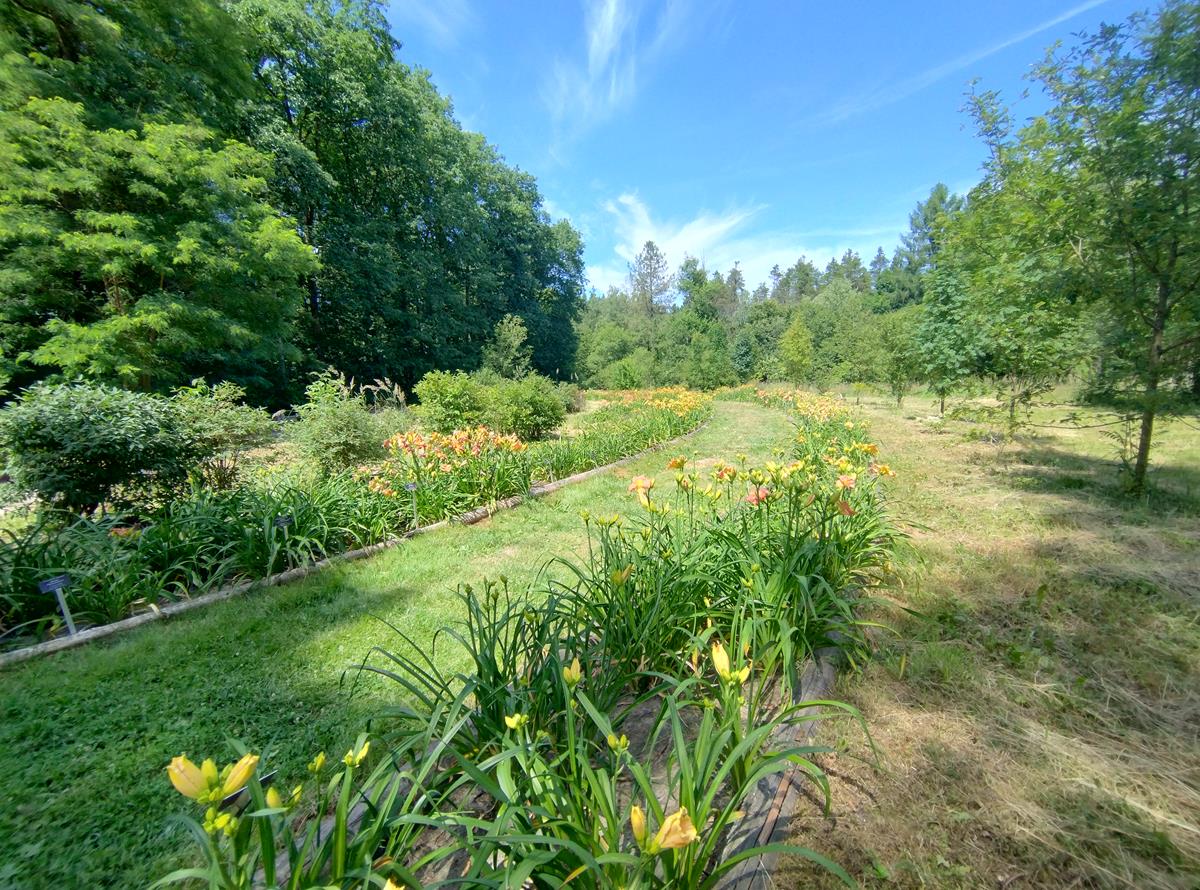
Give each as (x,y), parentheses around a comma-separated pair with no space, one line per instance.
(458,444)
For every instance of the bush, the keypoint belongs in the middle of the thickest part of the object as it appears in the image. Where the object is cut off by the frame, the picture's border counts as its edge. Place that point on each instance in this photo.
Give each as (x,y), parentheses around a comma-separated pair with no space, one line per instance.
(530,407)
(336,429)
(217,419)
(450,400)
(80,446)
(454,400)
(571,396)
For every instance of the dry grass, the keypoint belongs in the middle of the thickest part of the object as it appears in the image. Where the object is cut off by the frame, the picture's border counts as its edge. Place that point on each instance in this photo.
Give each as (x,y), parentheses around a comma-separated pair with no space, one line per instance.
(1040,717)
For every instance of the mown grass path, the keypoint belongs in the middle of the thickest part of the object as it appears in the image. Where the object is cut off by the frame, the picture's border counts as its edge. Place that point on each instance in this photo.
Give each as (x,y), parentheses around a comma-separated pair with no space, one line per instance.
(84,735)
(1040,725)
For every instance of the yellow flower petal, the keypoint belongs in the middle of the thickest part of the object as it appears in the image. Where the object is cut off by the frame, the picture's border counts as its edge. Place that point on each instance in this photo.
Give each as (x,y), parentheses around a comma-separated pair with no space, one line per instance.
(676,831)
(720,660)
(239,775)
(187,778)
(637,822)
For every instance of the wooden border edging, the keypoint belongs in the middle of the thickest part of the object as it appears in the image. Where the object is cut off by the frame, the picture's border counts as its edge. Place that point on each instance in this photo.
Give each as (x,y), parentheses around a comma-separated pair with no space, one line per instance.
(770,806)
(178,607)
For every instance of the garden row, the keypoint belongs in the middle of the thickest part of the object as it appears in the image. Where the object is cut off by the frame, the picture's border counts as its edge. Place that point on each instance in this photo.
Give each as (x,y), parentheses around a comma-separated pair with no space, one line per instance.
(611,726)
(186,526)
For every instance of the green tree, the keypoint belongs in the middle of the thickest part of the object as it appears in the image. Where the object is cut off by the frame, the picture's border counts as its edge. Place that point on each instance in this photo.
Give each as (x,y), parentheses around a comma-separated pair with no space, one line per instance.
(145,258)
(508,353)
(899,363)
(1107,183)
(650,281)
(796,351)
(949,349)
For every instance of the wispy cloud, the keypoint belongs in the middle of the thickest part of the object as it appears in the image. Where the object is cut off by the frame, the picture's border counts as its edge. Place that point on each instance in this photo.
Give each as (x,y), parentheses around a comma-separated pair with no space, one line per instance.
(902,89)
(444,22)
(721,239)
(622,39)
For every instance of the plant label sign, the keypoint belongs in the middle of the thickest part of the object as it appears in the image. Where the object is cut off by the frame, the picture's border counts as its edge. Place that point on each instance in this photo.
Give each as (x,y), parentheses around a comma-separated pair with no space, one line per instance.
(56,585)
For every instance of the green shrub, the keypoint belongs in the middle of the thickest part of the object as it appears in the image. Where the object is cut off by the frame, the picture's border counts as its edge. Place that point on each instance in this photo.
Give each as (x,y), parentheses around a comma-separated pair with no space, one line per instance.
(80,446)
(571,396)
(225,428)
(336,429)
(529,408)
(450,400)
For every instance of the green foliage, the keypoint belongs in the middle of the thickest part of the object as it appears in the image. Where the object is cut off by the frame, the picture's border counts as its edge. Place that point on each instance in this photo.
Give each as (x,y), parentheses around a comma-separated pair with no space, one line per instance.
(336,429)
(174,169)
(529,408)
(796,351)
(450,400)
(81,446)
(153,254)
(509,353)
(222,426)
(899,363)
(1090,210)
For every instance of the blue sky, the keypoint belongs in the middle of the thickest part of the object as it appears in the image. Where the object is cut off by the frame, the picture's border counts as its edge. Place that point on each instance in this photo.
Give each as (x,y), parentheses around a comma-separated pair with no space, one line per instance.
(734,131)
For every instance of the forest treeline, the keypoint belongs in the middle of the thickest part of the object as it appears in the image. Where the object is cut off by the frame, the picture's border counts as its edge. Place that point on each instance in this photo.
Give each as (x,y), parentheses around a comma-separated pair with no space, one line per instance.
(1077,256)
(257,190)
(253,190)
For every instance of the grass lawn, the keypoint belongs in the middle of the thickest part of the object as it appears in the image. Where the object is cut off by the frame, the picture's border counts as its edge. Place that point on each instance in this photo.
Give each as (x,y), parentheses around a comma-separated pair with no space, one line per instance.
(85,735)
(1040,723)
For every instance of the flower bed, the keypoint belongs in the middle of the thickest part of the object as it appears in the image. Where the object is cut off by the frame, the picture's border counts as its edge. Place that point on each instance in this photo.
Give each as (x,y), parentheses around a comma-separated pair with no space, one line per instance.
(610,727)
(292,517)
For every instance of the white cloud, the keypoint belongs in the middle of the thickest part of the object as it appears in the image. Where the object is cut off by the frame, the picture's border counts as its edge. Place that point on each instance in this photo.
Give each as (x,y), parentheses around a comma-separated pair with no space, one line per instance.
(721,239)
(443,22)
(902,89)
(580,95)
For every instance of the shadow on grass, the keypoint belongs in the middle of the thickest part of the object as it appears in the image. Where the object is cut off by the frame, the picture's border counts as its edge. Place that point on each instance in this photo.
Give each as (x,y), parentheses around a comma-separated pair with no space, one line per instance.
(1054,470)
(85,738)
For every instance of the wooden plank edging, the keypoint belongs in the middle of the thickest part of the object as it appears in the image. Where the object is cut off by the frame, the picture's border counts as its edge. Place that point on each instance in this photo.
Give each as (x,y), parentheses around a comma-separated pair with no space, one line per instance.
(770,806)
(178,607)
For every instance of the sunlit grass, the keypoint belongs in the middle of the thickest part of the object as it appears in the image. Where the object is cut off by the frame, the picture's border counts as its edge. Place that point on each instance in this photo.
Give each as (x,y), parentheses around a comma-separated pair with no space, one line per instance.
(84,735)
(1039,718)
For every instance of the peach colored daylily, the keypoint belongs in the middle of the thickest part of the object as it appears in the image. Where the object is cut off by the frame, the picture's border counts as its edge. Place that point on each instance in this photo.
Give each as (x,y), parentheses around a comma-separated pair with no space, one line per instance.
(846,481)
(757,495)
(676,831)
(642,485)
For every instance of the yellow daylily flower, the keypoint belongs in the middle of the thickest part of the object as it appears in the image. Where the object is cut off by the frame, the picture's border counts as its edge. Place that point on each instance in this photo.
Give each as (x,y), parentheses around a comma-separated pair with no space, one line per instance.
(618,744)
(317,763)
(274,799)
(515,721)
(354,758)
(188,779)
(720,659)
(573,673)
(676,831)
(637,822)
(239,774)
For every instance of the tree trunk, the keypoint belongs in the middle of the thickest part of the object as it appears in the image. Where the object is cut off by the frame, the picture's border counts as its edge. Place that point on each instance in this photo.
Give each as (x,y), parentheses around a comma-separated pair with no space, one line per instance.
(942,406)
(1150,396)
